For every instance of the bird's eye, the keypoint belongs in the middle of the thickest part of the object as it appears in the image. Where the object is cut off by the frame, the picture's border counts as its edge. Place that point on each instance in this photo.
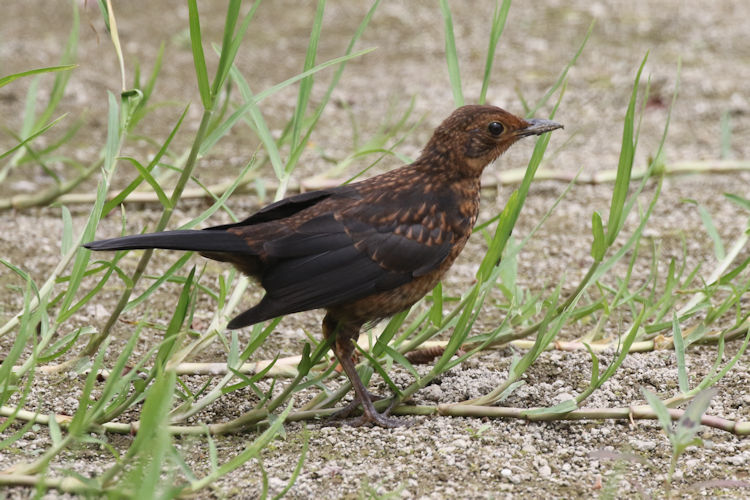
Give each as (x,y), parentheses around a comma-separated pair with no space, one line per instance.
(495,128)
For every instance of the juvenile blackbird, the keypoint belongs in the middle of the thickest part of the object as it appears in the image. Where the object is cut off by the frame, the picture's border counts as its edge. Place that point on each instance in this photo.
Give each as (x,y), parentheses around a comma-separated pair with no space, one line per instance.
(362,251)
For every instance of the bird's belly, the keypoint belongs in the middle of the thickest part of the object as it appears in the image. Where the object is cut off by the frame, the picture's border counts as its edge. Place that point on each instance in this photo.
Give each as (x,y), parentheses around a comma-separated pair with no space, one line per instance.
(389,302)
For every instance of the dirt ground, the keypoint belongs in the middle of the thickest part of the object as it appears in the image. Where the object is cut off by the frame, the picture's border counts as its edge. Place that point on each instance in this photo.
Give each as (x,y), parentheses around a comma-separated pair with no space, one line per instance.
(436,457)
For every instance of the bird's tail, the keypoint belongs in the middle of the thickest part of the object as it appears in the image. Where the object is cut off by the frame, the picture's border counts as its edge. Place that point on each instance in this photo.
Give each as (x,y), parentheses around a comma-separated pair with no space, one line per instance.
(197,240)
(264,310)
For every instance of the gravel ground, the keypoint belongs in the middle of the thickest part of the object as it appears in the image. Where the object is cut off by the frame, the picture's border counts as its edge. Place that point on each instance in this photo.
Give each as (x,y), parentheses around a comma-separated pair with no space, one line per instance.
(436,457)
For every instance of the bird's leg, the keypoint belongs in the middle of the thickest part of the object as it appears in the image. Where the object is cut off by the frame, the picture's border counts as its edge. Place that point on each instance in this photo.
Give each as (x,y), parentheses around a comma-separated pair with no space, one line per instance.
(343,348)
(346,411)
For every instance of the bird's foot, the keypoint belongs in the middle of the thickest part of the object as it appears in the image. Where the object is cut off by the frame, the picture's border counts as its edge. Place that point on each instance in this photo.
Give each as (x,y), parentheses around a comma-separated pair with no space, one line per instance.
(347,410)
(370,416)
(376,419)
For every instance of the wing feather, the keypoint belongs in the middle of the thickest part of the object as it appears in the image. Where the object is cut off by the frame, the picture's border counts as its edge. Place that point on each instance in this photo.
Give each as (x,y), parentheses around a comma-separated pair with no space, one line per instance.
(326,262)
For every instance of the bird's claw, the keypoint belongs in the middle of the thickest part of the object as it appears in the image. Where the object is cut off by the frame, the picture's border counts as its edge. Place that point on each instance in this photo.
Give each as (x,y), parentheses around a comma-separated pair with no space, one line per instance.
(368,419)
(347,410)
(340,417)
(379,419)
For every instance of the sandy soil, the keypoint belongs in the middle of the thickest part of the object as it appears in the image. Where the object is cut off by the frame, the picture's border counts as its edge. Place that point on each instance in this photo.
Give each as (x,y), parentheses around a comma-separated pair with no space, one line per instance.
(437,457)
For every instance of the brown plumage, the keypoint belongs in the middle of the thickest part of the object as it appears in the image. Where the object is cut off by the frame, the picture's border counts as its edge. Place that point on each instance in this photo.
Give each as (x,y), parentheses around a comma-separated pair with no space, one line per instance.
(362,251)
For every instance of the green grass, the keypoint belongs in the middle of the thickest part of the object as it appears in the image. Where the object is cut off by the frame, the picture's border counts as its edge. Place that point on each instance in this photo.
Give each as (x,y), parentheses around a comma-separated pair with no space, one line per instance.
(149,385)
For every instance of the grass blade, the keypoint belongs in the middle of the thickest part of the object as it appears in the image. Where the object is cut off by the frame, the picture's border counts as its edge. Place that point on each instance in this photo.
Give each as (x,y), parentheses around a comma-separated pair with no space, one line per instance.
(66,242)
(498,24)
(31,137)
(230,21)
(61,78)
(599,245)
(199,59)
(679,349)
(111,149)
(661,410)
(306,84)
(122,195)
(625,164)
(231,44)
(451,57)
(170,344)
(51,69)
(711,230)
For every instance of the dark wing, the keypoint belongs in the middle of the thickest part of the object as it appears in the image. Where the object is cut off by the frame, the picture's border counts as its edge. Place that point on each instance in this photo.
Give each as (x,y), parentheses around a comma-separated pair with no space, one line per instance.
(407,247)
(328,261)
(281,209)
(250,262)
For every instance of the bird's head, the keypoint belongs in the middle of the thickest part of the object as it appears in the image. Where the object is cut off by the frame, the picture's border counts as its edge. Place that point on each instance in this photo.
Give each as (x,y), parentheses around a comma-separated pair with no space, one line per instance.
(474,136)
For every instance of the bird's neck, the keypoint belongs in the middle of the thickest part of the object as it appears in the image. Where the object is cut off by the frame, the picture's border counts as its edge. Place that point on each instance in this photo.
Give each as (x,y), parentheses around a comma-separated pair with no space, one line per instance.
(448,172)
(445,162)
(468,190)
(446,183)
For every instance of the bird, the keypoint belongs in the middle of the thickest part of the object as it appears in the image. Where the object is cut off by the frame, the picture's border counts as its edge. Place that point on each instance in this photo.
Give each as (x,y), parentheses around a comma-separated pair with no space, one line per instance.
(361,251)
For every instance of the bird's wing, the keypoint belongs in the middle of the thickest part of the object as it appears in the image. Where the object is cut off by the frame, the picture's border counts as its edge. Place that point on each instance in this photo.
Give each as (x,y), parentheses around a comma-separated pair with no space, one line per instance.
(328,261)
(281,209)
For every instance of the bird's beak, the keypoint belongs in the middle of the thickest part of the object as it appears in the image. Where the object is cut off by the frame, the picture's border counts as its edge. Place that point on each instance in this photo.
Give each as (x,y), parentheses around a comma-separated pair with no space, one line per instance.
(537,126)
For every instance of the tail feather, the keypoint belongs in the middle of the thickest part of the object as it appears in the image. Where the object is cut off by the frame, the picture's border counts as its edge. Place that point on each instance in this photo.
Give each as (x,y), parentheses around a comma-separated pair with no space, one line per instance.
(196,240)
(264,310)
